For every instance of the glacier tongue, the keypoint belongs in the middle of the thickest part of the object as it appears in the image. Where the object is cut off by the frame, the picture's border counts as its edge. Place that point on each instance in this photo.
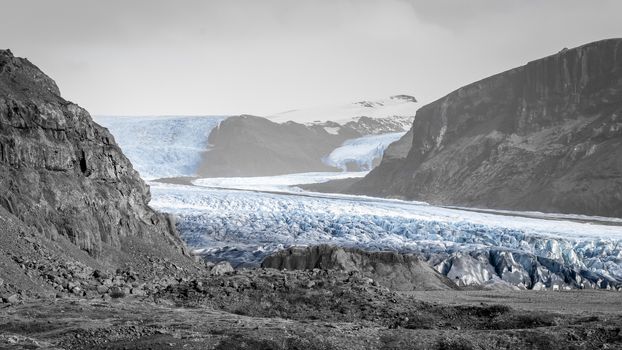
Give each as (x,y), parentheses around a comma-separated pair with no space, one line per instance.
(158,147)
(361,153)
(279,183)
(473,248)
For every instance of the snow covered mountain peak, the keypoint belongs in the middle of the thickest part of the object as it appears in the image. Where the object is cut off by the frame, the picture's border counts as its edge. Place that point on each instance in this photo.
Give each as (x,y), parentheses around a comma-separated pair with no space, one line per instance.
(388,102)
(395,106)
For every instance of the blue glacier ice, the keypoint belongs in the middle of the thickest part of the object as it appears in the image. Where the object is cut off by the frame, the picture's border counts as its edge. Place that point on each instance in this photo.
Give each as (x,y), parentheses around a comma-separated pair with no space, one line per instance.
(361,152)
(244,219)
(160,147)
(278,183)
(244,226)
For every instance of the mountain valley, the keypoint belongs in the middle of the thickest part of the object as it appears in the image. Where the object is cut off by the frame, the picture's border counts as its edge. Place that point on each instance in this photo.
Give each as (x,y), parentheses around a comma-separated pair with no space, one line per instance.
(210,232)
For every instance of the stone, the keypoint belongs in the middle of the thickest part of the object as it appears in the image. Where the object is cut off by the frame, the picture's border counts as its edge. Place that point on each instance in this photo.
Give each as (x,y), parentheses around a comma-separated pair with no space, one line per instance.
(137,292)
(221,268)
(108,282)
(100,274)
(10,298)
(116,292)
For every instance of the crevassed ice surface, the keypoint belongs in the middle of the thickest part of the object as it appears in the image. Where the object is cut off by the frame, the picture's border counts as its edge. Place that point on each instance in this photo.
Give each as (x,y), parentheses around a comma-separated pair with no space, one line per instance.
(362,151)
(160,147)
(244,219)
(244,226)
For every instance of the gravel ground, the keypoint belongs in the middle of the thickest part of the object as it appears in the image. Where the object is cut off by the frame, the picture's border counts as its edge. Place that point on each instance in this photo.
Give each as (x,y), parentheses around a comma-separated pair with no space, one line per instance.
(271,309)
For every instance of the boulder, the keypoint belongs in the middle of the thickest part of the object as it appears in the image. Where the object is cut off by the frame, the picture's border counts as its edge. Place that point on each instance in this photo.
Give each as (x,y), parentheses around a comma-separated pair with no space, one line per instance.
(221,268)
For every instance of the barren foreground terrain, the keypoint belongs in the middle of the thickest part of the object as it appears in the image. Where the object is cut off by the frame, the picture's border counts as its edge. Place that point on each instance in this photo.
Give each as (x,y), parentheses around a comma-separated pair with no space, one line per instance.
(317,309)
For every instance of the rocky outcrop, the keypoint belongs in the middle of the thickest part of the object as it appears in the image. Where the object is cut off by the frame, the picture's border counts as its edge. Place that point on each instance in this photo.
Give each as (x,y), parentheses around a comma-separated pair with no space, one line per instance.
(368,125)
(255,146)
(64,177)
(546,136)
(375,126)
(393,270)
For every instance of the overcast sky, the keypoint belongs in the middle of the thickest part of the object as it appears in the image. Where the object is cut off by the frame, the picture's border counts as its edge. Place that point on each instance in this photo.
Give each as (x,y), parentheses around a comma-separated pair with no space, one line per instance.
(153,57)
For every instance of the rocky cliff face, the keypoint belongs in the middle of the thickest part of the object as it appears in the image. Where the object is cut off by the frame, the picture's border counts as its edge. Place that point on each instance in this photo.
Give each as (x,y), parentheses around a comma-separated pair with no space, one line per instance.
(371,126)
(546,136)
(255,146)
(64,175)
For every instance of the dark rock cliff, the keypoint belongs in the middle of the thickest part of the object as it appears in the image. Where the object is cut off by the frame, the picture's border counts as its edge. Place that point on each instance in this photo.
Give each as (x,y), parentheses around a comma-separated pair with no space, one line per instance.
(546,136)
(64,175)
(255,146)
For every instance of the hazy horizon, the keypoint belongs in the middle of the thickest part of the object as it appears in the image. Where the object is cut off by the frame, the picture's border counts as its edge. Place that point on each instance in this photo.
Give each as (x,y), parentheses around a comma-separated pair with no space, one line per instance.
(154,58)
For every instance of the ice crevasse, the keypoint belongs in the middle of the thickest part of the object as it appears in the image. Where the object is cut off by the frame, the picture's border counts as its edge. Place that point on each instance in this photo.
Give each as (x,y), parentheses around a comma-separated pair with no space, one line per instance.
(167,146)
(469,247)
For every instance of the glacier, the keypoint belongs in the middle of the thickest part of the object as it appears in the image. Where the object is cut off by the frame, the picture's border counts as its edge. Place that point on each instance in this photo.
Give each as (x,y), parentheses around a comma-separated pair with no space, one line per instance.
(242,220)
(472,248)
(361,153)
(166,146)
(277,183)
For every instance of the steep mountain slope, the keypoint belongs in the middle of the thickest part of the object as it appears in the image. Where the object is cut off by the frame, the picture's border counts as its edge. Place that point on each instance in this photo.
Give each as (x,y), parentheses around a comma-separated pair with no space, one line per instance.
(255,146)
(546,136)
(64,180)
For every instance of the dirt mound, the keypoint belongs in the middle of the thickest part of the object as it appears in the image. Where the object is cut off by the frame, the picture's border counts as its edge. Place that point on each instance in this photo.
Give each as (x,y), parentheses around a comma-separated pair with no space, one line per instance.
(393,270)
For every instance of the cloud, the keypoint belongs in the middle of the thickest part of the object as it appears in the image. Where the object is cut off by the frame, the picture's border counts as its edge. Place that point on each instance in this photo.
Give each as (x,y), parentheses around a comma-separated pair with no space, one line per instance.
(264,56)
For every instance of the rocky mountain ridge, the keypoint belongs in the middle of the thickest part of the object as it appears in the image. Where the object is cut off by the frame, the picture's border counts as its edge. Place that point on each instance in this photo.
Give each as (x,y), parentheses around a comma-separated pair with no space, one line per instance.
(256,146)
(66,184)
(368,125)
(397,106)
(546,136)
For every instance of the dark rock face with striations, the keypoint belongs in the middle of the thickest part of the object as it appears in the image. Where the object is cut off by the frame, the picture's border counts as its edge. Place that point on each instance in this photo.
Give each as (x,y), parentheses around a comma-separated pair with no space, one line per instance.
(64,175)
(546,136)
